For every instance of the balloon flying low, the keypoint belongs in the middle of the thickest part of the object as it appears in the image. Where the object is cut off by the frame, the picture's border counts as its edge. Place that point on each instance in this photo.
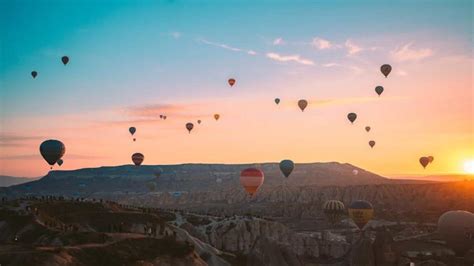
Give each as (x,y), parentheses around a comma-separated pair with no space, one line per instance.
(251,179)
(286,167)
(386,69)
(138,158)
(52,150)
(361,212)
(457,229)
(302,104)
(334,210)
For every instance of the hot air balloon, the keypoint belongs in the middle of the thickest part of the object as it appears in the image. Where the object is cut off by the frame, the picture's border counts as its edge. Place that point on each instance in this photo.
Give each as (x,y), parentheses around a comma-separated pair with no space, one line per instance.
(138,158)
(251,179)
(367,128)
(151,186)
(277,100)
(158,171)
(457,229)
(302,104)
(372,143)
(286,167)
(386,69)
(60,162)
(161,116)
(379,90)
(65,60)
(34,74)
(431,158)
(424,161)
(352,117)
(334,210)
(199,121)
(189,127)
(216,116)
(355,172)
(52,150)
(361,212)
(132,131)
(231,82)
(164,117)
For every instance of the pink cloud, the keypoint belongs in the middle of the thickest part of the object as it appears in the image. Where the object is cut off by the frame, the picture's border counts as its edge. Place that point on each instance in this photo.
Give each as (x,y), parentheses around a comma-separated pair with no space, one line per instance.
(290,58)
(407,53)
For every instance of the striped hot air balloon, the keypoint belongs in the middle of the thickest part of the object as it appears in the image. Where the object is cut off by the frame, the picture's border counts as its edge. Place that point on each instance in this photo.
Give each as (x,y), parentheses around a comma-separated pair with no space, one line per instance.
(251,179)
(361,212)
(334,210)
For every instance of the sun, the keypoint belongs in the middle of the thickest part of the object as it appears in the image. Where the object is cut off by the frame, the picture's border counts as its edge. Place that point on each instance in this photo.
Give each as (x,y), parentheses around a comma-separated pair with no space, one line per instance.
(469,166)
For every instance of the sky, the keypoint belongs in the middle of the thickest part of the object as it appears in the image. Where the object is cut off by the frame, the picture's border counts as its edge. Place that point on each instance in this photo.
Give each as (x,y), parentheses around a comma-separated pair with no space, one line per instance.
(131,61)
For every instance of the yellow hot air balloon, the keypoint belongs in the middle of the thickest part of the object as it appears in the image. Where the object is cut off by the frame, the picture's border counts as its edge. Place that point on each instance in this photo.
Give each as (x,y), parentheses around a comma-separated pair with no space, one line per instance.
(361,212)
(334,210)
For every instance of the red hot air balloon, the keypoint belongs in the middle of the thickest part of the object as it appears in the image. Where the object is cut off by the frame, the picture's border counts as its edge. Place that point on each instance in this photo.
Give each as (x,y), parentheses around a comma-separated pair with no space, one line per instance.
(65,60)
(251,179)
(138,158)
(231,82)
(189,127)
(386,69)
(424,161)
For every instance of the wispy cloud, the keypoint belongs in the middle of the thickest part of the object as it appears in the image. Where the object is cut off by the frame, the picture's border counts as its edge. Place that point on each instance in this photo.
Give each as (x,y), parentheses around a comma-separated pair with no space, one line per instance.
(227,47)
(290,58)
(352,47)
(321,44)
(11,140)
(278,41)
(38,156)
(176,34)
(407,53)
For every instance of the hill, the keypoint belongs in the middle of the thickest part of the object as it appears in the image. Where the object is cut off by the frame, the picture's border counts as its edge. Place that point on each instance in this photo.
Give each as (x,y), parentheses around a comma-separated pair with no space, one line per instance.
(6,181)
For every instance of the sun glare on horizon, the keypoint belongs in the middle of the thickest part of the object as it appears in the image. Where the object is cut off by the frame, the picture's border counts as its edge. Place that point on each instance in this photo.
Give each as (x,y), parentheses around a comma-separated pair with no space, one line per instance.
(469,166)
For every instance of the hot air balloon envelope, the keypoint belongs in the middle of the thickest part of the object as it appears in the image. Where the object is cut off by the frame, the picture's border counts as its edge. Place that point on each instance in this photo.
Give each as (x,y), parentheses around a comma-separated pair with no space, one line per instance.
(138,158)
(286,167)
(52,150)
(251,179)
(361,212)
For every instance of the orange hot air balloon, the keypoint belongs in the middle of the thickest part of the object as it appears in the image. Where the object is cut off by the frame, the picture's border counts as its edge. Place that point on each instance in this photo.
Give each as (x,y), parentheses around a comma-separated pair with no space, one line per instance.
(251,179)
(231,82)
(138,158)
(189,127)
(216,117)
(372,143)
(431,158)
(424,161)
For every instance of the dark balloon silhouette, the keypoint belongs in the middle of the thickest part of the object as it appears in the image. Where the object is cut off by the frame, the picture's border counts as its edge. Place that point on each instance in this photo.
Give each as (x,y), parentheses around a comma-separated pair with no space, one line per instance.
(34,74)
(379,90)
(277,100)
(352,117)
(431,159)
(231,82)
(386,69)
(286,167)
(60,162)
(424,161)
(372,143)
(52,150)
(138,158)
(199,121)
(216,116)
(302,104)
(367,128)
(65,60)
(189,127)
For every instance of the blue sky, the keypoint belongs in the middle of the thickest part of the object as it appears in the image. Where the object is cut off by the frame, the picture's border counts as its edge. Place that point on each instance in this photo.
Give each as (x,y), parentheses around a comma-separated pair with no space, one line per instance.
(136,54)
